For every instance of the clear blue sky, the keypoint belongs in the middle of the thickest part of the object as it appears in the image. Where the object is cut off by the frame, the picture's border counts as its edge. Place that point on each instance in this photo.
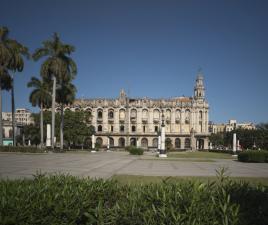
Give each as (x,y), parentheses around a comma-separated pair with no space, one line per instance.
(154,48)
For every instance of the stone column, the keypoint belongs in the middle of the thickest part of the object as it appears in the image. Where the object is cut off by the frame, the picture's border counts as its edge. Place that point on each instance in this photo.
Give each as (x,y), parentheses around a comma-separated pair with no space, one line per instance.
(93,141)
(234,143)
(138,142)
(162,152)
(206,143)
(159,142)
(182,120)
(108,143)
(48,140)
(193,140)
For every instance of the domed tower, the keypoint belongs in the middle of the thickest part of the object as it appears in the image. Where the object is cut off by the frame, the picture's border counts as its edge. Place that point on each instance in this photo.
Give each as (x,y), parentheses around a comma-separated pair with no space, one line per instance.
(199,89)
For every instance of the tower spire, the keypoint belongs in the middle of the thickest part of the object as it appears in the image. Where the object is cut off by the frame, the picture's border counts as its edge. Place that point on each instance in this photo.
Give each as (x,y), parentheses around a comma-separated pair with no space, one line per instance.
(199,89)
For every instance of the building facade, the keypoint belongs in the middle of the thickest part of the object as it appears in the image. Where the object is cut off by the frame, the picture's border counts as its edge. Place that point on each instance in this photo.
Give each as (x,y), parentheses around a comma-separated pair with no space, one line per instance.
(231,125)
(22,116)
(128,121)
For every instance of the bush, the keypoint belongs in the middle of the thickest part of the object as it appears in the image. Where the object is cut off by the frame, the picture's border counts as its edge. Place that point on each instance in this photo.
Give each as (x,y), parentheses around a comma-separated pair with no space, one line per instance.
(253,156)
(21,149)
(134,150)
(60,199)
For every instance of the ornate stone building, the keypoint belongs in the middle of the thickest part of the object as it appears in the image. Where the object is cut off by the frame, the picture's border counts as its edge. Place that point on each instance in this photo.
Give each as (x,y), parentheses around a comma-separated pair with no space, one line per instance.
(136,121)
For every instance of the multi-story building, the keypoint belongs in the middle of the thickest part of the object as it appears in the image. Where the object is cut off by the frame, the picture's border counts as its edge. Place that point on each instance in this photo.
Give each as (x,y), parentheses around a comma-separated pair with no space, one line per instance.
(136,121)
(22,116)
(231,125)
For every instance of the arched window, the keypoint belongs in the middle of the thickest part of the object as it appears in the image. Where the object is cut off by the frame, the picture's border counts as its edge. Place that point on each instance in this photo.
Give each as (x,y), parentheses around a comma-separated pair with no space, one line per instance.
(99,128)
(177,143)
(168,114)
(111,114)
(133,113)
(99,114)
(144,113)
(200,115)
(88,115)
(187,116)
(121,114)
(156,114)
(187,143)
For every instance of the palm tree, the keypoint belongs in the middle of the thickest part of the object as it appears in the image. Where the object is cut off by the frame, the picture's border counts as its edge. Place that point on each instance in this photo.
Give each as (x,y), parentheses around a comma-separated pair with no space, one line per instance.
(11,59)
(5,84)
(57,66)
(65,95)
(40,96)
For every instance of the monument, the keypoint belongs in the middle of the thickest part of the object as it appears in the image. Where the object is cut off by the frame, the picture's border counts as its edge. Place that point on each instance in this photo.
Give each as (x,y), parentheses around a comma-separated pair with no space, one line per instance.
(48,140)
(162,150)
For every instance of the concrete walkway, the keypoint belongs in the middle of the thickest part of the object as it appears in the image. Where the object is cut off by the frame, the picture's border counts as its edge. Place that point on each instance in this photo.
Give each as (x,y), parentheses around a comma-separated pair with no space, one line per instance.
(107,164)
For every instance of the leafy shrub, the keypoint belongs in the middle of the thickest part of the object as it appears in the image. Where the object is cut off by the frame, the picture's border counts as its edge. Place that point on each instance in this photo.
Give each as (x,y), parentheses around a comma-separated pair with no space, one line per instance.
(60,199)
(253,156)
(21,149)
(134,150)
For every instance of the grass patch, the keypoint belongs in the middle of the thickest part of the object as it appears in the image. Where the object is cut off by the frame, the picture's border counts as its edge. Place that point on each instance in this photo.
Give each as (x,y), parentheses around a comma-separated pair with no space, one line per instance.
(197,154)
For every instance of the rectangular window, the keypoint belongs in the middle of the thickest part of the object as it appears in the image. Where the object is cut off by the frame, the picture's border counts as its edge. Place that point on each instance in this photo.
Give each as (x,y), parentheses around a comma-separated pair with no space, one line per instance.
(156,129)
(112,128)
(143,129)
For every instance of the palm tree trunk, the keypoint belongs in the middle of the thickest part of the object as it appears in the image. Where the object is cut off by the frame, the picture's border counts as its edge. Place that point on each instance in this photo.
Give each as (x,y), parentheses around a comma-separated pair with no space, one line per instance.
(1,122)
(53,112)
(13,113)
(61,126)
(41,125)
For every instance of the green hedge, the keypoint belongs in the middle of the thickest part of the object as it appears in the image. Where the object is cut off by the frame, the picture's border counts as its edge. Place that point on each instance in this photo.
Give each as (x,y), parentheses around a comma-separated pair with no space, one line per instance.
(21,149)
(134,150)
(60,199)
(253,156)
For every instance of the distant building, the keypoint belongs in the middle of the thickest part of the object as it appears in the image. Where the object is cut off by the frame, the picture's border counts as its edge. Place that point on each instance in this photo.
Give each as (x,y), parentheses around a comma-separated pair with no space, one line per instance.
(136,121)
(231,125)
(22,116)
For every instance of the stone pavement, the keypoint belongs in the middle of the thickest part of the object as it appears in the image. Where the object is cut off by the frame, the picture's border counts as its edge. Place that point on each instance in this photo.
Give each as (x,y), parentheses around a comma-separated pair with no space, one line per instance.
(107,164)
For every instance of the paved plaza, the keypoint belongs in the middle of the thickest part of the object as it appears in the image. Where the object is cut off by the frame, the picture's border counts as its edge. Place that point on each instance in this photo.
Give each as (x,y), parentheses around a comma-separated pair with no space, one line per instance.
(107,164)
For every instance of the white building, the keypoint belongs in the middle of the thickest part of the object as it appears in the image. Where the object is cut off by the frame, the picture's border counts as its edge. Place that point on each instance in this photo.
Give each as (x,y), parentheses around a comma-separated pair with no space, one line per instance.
(22,116)
(136,121)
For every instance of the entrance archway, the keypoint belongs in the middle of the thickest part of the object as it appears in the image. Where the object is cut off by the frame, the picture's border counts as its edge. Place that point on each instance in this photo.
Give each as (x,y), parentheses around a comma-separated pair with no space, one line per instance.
(187,143)
(144,143)
(111,140)
(200,144)
(133,141)
(121,142)
(155,142)
(99,141)
(177,143)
